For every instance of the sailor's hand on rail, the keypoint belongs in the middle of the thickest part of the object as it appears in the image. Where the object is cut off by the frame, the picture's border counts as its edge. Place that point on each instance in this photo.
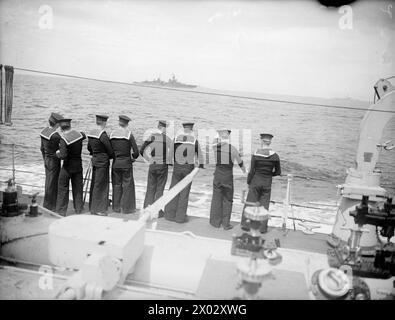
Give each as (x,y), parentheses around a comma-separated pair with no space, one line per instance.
(148,214)
(153,216)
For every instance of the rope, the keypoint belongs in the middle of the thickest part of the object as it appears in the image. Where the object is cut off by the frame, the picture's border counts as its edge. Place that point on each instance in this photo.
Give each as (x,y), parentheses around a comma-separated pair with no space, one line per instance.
(202,92)
(305,178)
(296,205)
(1,94)
(23,171)
(14,144)
(88,179)
(302,220)
(272,201)
(26,185)
(84,156)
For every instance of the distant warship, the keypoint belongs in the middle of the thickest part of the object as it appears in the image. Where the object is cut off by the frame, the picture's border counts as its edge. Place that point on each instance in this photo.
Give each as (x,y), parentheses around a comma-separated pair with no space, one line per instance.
(171,83)
(44,255)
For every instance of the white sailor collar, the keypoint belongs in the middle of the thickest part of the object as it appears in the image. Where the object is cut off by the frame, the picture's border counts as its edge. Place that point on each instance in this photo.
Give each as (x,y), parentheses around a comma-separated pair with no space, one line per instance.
(71,136)
(269,150)
(95,133)
(48,132)
(190,138)
(120,133)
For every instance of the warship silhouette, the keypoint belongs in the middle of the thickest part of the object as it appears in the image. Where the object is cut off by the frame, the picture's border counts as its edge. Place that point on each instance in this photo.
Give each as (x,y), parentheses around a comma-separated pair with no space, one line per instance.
(171,83)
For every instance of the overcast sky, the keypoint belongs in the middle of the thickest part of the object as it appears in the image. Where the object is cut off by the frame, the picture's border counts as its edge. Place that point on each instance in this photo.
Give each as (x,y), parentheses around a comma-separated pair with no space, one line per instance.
(274,47)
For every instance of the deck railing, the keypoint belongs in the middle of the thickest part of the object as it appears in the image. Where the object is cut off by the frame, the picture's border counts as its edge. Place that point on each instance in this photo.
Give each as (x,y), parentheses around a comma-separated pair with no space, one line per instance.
(289,210)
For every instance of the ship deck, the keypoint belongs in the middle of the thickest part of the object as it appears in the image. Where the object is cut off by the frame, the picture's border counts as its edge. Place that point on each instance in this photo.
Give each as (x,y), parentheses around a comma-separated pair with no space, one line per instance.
(200,226)
(209,263)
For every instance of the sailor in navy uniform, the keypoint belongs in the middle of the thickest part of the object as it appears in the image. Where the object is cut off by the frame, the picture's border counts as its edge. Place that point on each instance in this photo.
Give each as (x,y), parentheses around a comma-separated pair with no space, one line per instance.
(225,156)
(186,150)
(265,164)
(99,147)
(70,149)
(50,139)
(157,150)
(123,189)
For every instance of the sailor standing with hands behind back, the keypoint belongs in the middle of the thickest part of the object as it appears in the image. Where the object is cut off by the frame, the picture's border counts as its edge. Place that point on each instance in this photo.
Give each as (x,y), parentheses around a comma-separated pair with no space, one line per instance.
(123,189)
(225,155)
(186,150)
(70,149)
(50,139)
(157,150)
(99,147)
(265,164)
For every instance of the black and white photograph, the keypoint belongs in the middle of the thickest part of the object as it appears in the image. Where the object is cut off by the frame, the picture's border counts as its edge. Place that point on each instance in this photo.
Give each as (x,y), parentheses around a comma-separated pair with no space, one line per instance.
(196,151)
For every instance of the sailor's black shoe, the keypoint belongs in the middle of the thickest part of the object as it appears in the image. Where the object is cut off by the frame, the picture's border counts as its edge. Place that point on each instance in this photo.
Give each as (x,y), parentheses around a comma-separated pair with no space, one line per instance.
(186,219)
(228,227)
(100,214)
(130,212)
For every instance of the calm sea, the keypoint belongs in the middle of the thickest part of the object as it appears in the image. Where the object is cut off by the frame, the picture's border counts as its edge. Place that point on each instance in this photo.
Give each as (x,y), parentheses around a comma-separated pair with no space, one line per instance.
(314,142)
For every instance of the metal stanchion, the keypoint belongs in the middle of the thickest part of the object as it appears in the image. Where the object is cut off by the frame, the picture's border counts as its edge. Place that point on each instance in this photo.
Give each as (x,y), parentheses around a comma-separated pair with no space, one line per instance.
(9,77)
(13,164)
(288,203)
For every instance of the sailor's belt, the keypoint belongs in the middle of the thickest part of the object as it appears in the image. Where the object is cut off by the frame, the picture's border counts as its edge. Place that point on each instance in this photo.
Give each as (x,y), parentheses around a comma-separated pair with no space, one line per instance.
(158,162)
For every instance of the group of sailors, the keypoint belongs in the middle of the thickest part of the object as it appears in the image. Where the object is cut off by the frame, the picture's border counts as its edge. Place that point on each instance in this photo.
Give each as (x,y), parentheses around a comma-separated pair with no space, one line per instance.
(60,141)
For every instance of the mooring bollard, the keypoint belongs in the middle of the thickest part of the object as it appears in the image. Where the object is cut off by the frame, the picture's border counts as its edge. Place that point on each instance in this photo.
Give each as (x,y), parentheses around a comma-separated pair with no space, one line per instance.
(9,77)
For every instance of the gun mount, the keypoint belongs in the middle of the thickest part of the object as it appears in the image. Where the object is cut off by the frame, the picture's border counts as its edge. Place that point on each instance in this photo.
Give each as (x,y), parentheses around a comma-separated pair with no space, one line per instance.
(378,262)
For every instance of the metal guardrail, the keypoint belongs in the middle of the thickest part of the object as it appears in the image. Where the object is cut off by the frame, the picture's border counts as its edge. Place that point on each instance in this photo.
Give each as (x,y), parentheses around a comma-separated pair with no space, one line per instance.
(87,180)
(286,202)
(86,157)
